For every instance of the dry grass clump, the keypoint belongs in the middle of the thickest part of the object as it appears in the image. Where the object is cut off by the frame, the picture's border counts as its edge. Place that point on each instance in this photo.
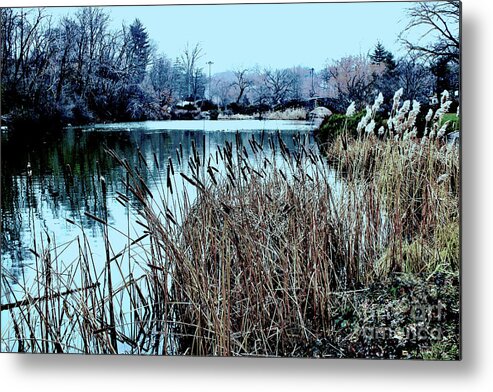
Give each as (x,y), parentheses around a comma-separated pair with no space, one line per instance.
(264,250)
(418,185)
(262,255)
(288,114)
(237,116)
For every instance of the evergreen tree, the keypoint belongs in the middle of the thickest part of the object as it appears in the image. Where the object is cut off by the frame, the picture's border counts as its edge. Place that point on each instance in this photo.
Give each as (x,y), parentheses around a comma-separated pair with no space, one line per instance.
(386,80)
(381,55)
(139,51)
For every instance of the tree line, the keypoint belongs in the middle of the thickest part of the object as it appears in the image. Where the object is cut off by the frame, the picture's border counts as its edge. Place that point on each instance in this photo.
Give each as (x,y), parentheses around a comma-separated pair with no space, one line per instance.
(77,70)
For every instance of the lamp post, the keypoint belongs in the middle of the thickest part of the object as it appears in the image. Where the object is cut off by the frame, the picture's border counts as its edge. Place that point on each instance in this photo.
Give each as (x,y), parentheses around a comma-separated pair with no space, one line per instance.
(312,91)
(210,92)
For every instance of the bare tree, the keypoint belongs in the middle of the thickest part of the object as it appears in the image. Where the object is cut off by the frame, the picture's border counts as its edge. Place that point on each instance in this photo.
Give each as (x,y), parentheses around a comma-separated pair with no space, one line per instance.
(259,91)
(352,78)
(189,59)
(241,83)
(161,76)
(415,78)
(221,90)
(279,83)
(21,31)
(298,78)
(440,21)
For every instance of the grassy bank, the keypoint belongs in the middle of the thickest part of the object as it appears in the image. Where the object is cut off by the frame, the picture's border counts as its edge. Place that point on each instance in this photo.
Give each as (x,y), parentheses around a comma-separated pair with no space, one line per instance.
(274,266)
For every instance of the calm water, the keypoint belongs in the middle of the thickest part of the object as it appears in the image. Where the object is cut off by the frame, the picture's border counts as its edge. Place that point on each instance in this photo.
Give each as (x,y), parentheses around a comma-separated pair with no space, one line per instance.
(33,211)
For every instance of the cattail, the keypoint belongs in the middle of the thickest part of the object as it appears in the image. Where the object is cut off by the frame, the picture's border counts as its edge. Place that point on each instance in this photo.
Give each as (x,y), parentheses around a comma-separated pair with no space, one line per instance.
(413,114)
(444,107)
(438,114)
(413,149)
(412,134)
(390,123)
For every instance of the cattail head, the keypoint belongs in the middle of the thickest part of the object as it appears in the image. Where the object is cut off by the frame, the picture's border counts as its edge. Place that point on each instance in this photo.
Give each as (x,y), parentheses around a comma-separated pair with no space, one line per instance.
(446,106)
(442,110)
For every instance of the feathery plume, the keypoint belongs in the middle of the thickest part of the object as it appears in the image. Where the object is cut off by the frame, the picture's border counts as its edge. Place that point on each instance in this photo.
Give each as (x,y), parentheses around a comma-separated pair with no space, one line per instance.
(351,110)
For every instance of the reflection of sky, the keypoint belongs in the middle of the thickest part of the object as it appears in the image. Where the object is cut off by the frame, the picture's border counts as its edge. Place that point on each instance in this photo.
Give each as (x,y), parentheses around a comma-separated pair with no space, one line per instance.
(32,211)
(207,126)
(270,35)
(30,215)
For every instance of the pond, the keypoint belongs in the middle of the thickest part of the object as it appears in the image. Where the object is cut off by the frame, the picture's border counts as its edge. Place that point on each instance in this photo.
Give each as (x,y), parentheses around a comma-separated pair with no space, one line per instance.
(66,168)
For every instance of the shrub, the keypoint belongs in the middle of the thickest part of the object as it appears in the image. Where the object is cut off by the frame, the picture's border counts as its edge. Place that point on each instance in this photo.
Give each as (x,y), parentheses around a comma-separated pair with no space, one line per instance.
(333,126)
(214,114)
(207,105)
(453,120)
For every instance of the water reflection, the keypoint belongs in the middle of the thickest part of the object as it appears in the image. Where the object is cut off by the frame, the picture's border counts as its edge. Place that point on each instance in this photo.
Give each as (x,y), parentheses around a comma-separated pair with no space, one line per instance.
(65,182)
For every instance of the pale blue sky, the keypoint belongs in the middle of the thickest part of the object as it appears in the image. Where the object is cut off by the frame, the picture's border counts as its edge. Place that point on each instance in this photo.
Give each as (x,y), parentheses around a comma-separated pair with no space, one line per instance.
(270,35)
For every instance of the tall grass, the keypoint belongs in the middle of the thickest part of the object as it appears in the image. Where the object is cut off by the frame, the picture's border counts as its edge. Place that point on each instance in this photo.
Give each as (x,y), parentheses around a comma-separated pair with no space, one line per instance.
(257,253)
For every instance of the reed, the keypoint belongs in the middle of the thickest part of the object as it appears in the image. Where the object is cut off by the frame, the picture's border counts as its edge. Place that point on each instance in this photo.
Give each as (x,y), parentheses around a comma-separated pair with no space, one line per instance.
(257,255)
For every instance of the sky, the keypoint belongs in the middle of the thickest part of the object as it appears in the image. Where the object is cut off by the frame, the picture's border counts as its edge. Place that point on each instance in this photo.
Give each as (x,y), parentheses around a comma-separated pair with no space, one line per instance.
(268,35)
